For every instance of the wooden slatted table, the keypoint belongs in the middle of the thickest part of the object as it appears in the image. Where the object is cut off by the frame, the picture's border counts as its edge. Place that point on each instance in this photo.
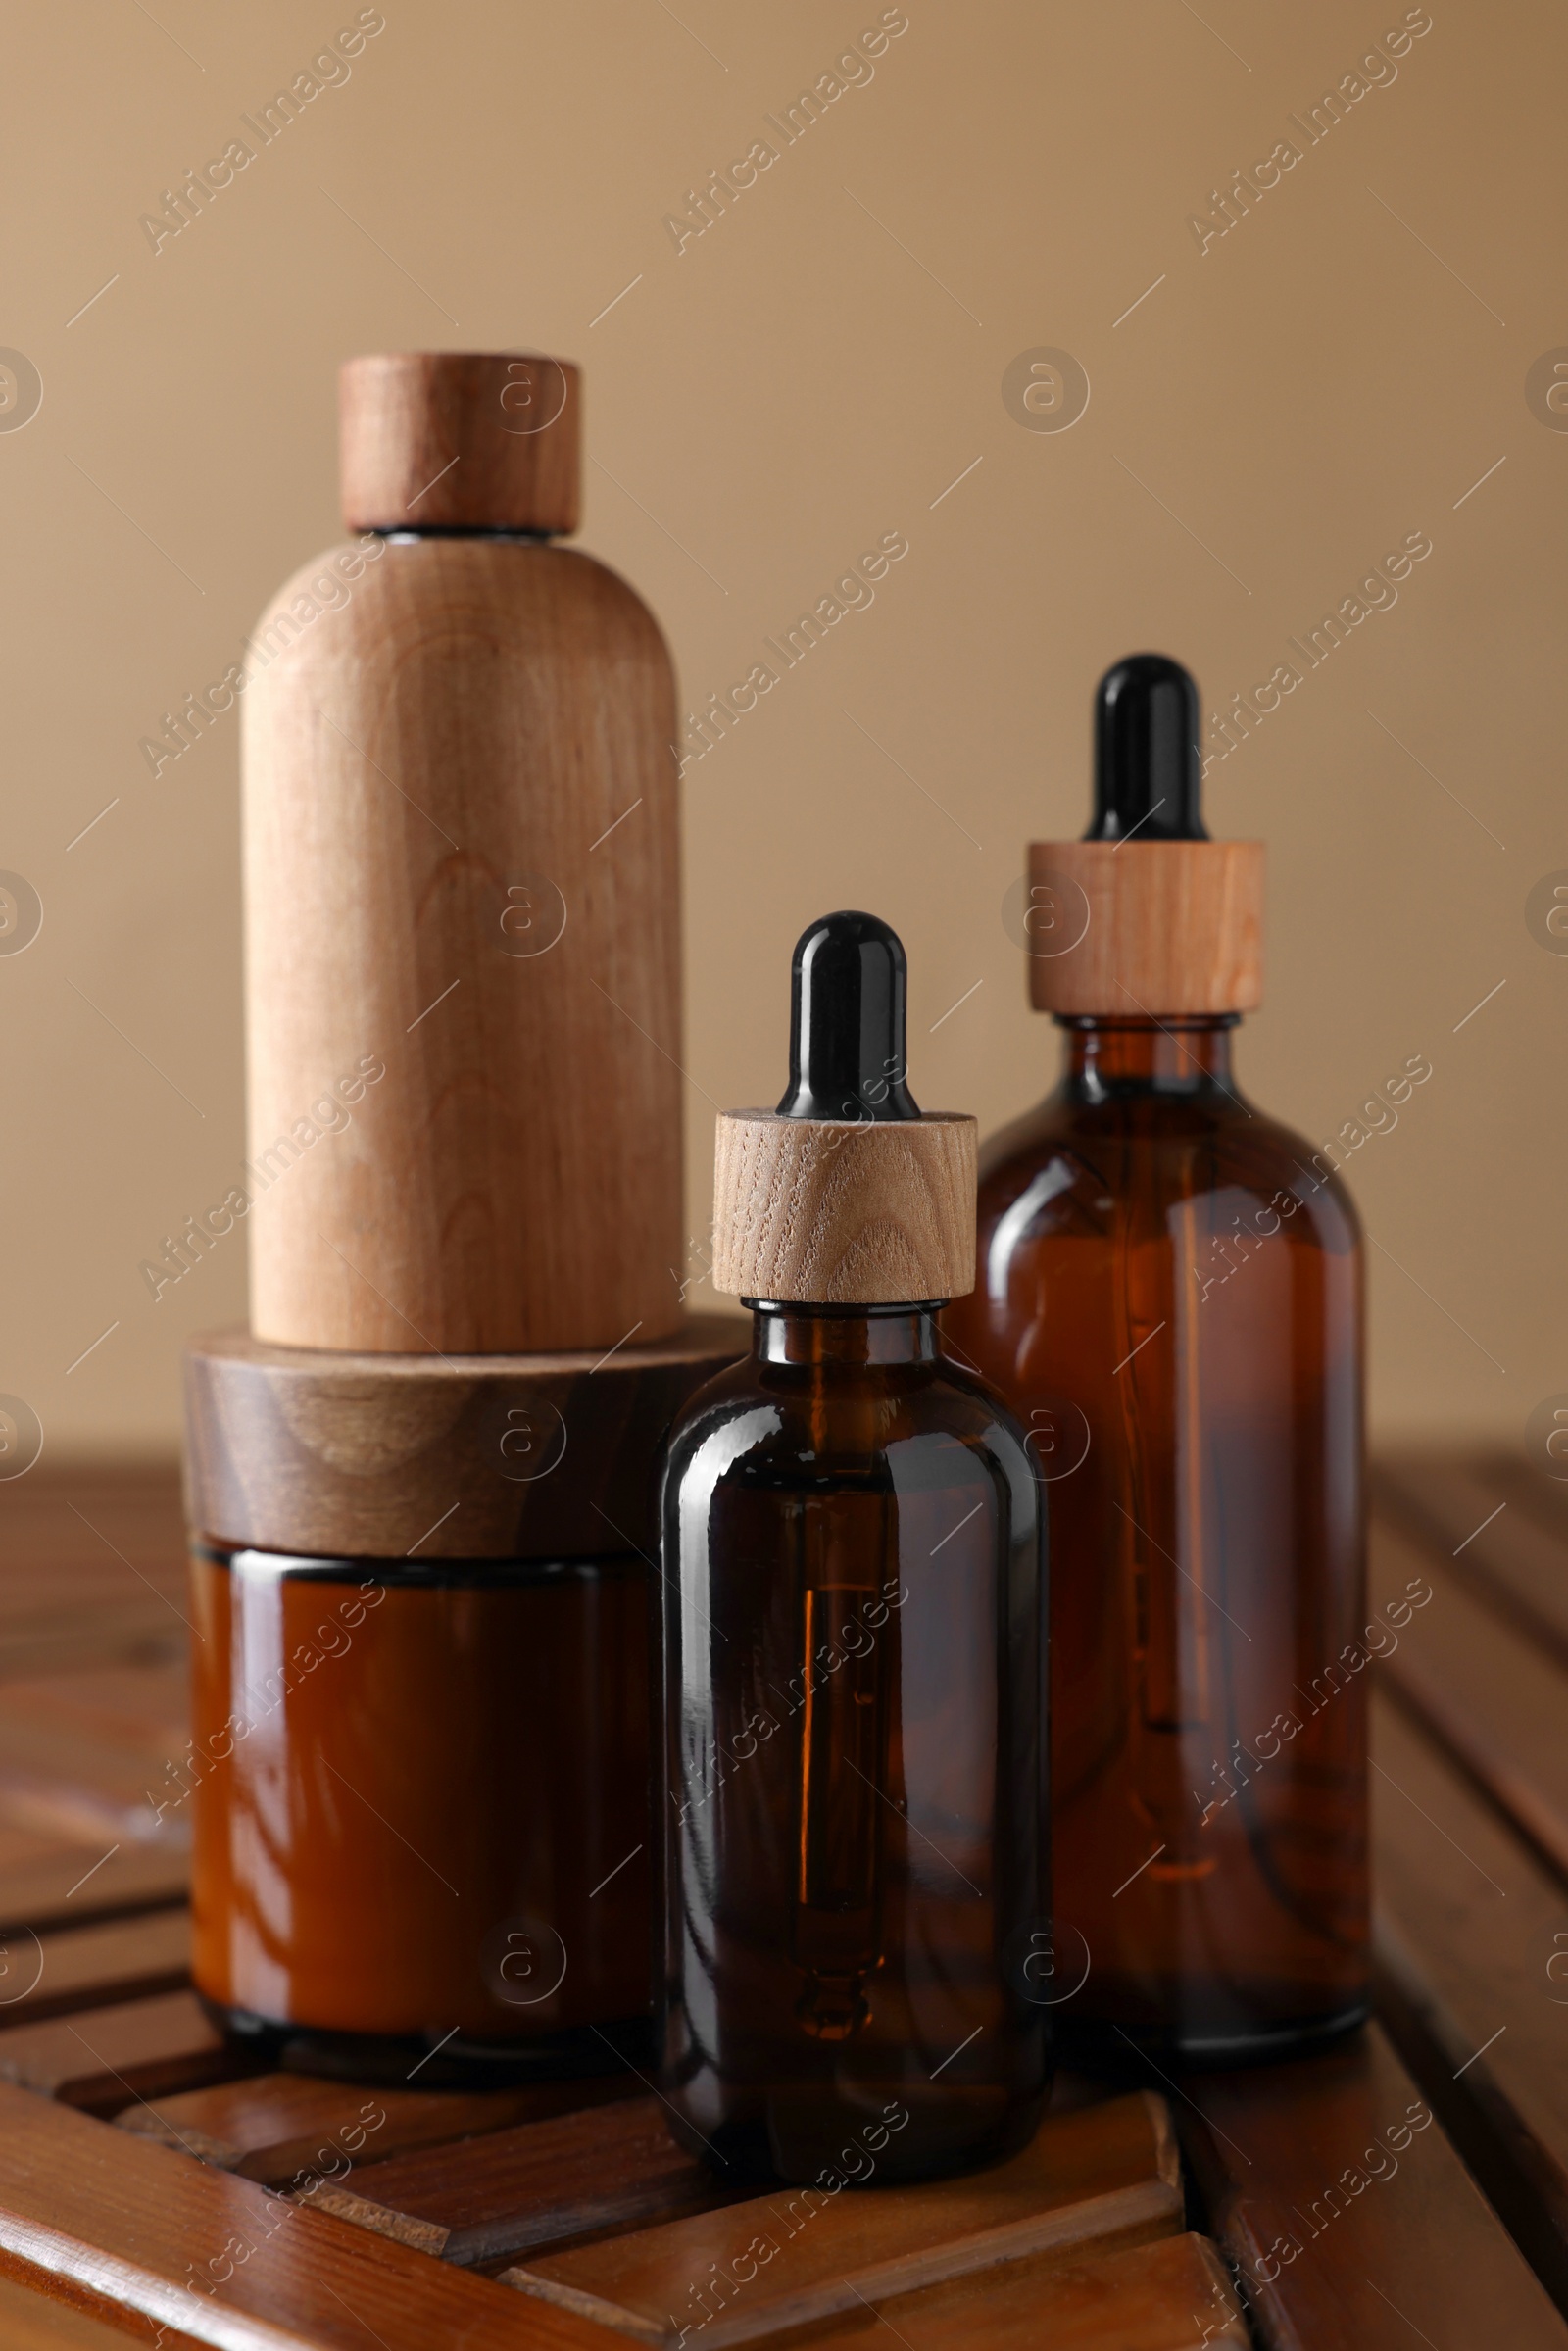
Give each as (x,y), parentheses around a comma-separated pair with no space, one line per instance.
(1412,2187)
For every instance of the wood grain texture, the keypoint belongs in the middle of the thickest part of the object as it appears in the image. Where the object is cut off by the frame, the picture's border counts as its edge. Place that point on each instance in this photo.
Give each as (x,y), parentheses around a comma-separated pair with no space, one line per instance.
(1492,1697)
(63,2299)
(135,1706)
(831,1213)
(433,893)
(51,1639)
(73,1885)
(466,439)
(1170,2296)
(93,1632)
(76,1967)
(1469,1827)
(1470,1947)
(274,2125)
(31,2320)
(543,2183)
(1349,2216)
(365,1456)
(101,2058)
(91,1566)
(81,1754)
(81,1519)
(1100,2177)
(226,2262)
(1480,1525)
(1156,928)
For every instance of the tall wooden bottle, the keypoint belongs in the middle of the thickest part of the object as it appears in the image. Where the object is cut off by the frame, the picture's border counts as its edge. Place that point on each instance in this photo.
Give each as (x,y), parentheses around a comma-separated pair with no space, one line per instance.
(420,1486)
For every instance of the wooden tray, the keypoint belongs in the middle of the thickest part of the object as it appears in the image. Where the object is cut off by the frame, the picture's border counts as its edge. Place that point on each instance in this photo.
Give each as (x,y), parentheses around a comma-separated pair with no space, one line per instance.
(153,2190)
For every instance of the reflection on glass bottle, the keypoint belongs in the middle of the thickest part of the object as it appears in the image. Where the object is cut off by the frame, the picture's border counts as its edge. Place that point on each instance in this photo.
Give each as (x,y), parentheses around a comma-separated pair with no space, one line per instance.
(843,1546)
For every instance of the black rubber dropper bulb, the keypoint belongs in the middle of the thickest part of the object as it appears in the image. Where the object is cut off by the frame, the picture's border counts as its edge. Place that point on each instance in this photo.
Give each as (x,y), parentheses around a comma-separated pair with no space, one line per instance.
(848,983)
(1147,773)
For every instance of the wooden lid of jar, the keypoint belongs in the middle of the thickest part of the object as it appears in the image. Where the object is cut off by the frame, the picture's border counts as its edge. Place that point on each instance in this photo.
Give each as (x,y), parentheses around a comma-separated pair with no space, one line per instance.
(1124,929)
(360,1456)
(829,1211)
(460,440)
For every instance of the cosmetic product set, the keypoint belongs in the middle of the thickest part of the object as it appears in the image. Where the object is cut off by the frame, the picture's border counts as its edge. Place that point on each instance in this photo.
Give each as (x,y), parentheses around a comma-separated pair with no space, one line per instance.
(577,1689)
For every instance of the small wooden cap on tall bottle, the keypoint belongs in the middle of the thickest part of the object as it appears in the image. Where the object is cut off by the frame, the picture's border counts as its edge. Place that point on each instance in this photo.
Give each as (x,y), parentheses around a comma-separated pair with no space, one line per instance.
(460,440)
(1146,917)
(846,1195)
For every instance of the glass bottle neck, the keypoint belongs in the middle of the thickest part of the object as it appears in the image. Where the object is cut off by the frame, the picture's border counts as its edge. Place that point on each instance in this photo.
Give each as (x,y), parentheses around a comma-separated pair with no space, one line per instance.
(843,1334)
(1178,1056)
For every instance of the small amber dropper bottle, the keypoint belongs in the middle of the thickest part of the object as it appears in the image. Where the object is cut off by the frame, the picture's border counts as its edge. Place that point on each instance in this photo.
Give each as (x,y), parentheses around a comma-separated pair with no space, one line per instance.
(1170,1295)
(854,1644)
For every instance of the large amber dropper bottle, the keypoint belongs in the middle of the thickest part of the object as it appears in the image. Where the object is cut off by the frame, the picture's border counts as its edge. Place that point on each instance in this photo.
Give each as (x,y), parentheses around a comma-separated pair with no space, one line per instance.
(1169,1293)
(854,1644)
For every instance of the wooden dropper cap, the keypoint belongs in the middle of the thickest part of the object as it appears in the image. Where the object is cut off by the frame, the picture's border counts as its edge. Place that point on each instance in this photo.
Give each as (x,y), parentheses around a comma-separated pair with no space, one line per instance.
(460,440)
(846,1195)
(1146,917)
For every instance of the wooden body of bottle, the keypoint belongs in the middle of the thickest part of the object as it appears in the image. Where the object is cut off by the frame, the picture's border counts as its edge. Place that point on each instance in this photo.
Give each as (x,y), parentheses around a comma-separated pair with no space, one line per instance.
(462,985)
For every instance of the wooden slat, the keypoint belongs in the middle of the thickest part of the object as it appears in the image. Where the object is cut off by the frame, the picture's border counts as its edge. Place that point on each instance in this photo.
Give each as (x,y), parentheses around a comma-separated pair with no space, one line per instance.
(88,1755)
(58,1884)
(99,1624)
(91,1566)
(1493,1697)
(274,2125)
(101,2058)
(78,1967)
(1091,2181)
(63,2299)
(1476,1521)
(1349,2216)
(514,2191)
(136,1706)
(55,1519)
(1481,1678)
(63,1871)
(1171,2296)
(81,2202)
(1471,1924)
(95,1796)
(32,2321)
(1472,1796)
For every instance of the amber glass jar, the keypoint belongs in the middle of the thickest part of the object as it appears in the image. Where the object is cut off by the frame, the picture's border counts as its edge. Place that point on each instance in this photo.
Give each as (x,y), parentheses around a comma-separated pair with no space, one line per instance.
(421,1817)
(1169,1293)
(854,1826)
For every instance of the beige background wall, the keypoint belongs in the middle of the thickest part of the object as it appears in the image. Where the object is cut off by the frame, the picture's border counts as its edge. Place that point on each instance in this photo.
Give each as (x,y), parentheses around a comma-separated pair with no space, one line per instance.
(813,372)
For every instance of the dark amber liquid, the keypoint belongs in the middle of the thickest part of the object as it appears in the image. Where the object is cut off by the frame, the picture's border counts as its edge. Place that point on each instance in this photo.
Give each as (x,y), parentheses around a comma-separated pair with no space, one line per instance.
(421,1803)
(853,1753)
(1167,1281)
